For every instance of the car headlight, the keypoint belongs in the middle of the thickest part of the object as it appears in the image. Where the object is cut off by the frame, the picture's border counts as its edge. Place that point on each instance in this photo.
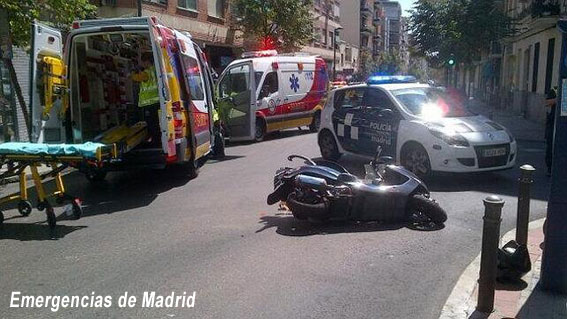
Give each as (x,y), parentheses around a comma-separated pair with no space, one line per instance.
(454,139)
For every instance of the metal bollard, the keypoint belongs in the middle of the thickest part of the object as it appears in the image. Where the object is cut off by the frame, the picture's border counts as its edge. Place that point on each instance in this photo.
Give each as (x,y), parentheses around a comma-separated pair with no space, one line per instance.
(523,215)
(489,254)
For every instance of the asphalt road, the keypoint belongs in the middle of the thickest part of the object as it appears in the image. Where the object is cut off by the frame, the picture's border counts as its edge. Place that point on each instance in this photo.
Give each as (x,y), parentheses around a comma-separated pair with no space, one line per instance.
(215,235)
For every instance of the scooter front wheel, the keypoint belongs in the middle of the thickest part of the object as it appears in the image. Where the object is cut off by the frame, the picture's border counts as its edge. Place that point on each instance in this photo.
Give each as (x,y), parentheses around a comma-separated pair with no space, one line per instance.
(421,204)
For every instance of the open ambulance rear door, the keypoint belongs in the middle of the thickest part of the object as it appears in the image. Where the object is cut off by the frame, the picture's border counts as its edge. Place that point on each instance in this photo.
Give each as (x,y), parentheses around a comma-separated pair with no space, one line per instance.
(48,85)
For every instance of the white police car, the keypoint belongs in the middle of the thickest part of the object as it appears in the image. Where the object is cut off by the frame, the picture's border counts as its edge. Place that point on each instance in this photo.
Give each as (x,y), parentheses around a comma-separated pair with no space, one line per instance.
(422,127)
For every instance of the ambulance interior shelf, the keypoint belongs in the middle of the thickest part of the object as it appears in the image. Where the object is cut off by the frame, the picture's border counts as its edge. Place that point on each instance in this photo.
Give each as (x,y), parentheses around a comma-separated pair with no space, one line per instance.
(105,106)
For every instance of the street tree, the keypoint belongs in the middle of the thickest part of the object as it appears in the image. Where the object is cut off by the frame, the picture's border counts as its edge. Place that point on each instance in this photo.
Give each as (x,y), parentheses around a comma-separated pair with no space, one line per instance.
(282,24)
(456,29)
(16,18)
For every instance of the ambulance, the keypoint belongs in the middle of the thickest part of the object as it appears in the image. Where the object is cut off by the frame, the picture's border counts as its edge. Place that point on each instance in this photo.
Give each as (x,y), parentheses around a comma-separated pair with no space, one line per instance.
(265,92)
(95,88)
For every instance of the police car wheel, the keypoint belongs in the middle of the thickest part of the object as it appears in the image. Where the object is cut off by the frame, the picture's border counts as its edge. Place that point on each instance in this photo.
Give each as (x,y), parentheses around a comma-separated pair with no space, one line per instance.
(260,130)
(314,126)
(328,146)
(414,157)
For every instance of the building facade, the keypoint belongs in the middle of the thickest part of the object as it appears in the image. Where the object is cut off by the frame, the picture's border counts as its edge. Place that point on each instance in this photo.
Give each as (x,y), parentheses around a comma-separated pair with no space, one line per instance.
(357,18)
(517,72)
(391,25)
(208,21)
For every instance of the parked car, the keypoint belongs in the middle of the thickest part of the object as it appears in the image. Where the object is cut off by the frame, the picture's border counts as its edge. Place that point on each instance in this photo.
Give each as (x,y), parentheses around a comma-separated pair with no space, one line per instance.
(420,126)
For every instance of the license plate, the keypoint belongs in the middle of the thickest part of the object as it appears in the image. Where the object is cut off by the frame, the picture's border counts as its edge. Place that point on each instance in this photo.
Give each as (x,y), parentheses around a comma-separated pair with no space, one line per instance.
(492,152)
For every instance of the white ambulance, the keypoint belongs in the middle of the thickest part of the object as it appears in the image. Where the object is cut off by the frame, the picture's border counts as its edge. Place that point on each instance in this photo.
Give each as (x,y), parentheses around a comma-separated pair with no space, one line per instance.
(266,92)
(87,91)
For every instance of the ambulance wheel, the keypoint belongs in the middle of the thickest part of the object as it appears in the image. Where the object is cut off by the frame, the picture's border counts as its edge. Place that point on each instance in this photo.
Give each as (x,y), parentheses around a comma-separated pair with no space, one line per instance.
(77,209)
(95,175)
(24,207)
(218,148)
(260,132)
(51,219)
(328,146)
(316,122)
(191,169)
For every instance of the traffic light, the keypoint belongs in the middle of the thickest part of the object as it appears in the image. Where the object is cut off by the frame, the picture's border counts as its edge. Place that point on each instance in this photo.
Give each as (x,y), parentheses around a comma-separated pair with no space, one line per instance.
(451,60)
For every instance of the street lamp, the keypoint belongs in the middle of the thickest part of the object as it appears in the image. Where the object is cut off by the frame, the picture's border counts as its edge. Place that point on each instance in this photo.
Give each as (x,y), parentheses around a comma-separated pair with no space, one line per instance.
(336,34)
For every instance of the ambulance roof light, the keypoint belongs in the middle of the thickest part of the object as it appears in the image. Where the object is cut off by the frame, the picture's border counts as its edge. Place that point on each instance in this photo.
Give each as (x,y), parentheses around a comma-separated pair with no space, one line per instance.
(385,79)
(257,54)
(76,25)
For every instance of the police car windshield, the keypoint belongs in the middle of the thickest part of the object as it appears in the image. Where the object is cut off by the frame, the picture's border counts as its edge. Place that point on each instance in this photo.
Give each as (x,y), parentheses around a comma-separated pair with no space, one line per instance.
(429,102)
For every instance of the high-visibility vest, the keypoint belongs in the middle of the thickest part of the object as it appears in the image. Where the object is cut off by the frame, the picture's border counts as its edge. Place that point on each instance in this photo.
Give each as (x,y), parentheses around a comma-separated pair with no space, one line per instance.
(149,93)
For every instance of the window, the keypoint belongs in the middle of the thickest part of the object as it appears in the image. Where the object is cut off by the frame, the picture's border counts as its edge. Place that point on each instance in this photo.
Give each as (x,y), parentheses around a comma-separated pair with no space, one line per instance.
(378,99)
(349,98)
(235,81)
(549,66)
(157,1)
(194,79)
(535,67)
(269,86)
(187,4)
(215,8)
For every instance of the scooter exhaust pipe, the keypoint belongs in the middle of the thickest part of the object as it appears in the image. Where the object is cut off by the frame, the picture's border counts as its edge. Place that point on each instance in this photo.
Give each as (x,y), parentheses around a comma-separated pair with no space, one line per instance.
(311,182)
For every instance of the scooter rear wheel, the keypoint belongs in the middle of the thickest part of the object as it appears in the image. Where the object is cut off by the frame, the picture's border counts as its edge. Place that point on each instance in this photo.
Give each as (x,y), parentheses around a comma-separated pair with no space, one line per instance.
(303,211)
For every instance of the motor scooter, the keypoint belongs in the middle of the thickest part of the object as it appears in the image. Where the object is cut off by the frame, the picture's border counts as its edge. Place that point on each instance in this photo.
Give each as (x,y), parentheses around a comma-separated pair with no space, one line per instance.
(321,190)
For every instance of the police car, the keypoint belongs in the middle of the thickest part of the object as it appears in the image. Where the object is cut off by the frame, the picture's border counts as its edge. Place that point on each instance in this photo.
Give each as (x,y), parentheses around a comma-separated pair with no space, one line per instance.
(422,127)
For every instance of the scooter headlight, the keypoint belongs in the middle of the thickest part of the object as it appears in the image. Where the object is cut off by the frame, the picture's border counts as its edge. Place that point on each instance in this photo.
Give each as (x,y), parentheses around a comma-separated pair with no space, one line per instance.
(451,138)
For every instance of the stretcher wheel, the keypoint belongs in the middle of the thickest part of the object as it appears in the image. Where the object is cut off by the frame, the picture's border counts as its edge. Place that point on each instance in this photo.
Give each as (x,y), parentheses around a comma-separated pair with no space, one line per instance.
(51,219)
(77,209)
(24,207)
(1,218)
(40,206)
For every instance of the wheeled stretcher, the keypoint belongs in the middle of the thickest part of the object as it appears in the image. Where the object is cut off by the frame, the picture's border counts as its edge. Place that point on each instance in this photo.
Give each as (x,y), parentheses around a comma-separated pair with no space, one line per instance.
(15,158)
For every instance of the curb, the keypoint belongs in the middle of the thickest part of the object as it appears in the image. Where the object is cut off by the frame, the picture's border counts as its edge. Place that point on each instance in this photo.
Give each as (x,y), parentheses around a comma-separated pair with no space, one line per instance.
(460,304)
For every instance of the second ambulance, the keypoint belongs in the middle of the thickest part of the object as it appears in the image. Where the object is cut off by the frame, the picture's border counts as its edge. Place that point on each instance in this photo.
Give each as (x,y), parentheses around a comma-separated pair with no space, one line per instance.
(265,92)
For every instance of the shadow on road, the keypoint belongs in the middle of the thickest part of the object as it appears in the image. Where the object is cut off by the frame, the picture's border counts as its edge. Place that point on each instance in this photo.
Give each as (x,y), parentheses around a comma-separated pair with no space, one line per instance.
(274,136)
(121,191)
(287,225)
(35,232)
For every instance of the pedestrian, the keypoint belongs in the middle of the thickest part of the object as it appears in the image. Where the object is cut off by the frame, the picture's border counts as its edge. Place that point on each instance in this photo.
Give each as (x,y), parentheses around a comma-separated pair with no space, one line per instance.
(550,103)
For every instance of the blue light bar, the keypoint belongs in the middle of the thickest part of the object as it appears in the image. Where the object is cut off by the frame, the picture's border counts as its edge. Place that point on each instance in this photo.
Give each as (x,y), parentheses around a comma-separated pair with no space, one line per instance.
(385,79)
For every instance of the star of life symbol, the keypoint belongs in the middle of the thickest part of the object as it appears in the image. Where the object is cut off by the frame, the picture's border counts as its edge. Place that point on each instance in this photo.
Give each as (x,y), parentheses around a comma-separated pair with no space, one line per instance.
(294,83)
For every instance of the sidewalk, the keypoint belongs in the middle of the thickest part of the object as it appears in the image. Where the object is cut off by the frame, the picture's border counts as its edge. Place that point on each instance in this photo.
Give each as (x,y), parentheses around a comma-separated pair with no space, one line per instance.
(521,128)
(524,300)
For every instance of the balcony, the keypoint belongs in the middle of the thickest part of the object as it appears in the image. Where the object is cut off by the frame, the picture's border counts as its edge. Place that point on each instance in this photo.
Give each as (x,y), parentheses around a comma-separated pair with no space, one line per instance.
(365,29)
(540,14)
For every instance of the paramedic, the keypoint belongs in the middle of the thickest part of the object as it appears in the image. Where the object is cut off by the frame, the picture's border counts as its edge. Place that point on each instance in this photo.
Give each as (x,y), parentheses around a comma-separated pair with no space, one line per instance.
(148,95)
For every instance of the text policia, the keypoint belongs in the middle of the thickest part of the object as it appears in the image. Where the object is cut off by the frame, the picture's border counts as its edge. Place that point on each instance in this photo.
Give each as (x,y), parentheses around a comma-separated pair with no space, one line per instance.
(149,300)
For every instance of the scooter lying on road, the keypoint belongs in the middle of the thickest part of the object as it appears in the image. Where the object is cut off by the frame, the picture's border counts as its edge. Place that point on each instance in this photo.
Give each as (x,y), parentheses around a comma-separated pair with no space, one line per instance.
(323,190)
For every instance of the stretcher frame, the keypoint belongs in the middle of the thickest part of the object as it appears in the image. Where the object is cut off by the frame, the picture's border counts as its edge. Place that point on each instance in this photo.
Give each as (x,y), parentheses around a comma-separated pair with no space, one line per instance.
(17,164)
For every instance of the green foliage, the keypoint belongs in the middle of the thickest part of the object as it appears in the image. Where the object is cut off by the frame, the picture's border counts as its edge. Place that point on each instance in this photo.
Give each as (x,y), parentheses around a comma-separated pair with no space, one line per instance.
(288,21)
(463,28)
(59,13)
(389,63)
